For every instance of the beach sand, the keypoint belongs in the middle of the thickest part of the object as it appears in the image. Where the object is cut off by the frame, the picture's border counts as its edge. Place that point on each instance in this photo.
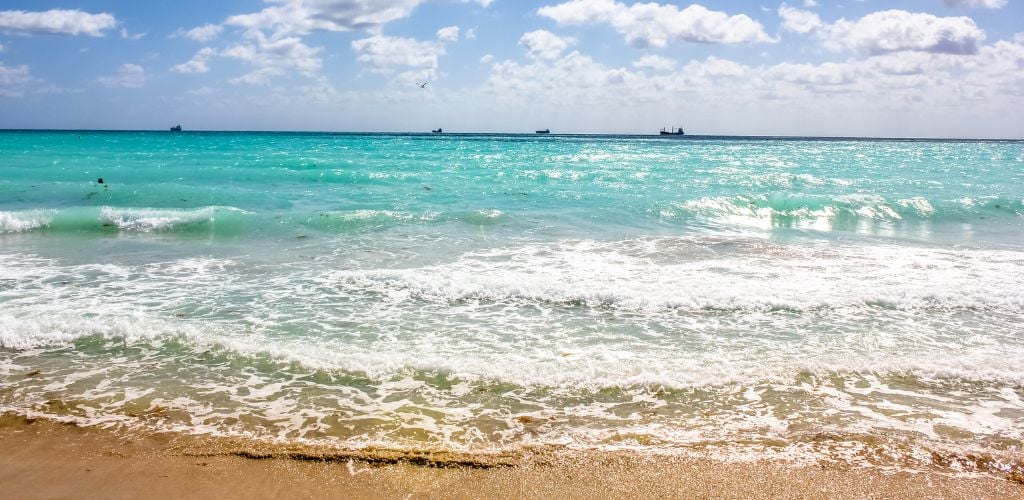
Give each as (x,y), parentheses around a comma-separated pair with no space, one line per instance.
(47,459)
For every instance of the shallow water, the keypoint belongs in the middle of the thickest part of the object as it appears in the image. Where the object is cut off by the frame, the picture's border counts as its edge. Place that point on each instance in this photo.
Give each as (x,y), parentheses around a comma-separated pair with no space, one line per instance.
(476,293)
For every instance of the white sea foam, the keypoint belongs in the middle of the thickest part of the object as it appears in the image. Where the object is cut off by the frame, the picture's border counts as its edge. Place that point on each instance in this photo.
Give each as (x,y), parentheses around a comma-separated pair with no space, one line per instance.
(16,222)
(754,333)
(670,312)
(152,219)
(764,278)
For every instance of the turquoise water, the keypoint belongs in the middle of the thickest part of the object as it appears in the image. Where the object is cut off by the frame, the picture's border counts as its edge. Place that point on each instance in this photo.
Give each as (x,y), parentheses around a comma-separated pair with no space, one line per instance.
(850,298)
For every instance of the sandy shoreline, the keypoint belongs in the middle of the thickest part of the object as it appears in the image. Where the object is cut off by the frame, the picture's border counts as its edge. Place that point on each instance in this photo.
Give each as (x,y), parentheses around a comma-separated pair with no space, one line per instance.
(46,459)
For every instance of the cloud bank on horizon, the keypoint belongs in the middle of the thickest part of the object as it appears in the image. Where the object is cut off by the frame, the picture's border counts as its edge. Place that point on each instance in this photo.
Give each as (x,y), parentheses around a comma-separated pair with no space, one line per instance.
(950,68)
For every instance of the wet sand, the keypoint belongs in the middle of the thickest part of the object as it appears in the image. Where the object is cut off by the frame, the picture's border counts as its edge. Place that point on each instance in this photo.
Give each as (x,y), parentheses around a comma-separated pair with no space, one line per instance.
(46,459)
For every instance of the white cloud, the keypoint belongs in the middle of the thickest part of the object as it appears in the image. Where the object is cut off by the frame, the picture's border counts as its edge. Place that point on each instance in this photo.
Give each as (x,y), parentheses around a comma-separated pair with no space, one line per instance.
(881,83)
(889,31)
(204,33)
(898,30)
(799,21)
(318,92)
(571,77)
(544,44)
(305,16)
(384,51)
(448,34)
(14,80)
(471,33)
(388,54)
(198,63)
(712,68)
(653,24)
(983,4)
(271,57)
(487,59)
(817,76)
(129,76)
(55,22)
(655,62)
(286,20)
(131,36)
(810,3)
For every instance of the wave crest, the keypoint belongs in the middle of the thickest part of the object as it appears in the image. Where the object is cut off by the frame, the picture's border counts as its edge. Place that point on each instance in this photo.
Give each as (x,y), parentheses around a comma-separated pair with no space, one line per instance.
(96,219)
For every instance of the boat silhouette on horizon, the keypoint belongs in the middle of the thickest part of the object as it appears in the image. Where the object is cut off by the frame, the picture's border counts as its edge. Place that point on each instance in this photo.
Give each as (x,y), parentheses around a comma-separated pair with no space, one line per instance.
(672,131)
(176,128)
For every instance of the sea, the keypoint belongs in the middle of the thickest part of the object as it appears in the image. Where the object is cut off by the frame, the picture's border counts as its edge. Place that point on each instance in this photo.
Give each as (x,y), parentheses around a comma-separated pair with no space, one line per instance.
(852,300)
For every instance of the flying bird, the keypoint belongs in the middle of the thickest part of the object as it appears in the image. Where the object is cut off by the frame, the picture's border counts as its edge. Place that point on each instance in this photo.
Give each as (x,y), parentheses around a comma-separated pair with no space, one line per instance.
(422,85)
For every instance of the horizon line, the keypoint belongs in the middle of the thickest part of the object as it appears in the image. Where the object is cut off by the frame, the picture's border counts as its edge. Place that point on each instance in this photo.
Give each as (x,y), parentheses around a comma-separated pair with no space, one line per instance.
(533,134)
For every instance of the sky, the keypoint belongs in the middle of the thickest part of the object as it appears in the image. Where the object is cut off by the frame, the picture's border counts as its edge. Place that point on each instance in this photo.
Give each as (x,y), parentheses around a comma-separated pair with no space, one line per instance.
(913,68)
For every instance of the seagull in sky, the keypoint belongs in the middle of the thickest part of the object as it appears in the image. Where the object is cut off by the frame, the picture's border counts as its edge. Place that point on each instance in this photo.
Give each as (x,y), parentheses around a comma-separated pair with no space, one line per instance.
(422,85)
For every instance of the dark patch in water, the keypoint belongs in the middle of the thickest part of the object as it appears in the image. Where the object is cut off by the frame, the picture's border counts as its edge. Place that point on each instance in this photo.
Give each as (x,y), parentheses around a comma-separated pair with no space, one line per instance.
(10,419)
(396,458)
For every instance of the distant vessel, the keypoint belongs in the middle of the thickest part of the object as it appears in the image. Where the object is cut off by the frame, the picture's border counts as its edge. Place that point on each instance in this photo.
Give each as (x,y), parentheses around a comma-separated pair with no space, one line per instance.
(437,131)
(545,131)
(176,128)
(672,131)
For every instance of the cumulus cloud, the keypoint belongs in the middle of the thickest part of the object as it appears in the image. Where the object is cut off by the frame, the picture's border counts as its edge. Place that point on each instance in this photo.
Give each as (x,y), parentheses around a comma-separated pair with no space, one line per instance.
(278,28)
(418,58)
(653,24)
(888,31)
(204,33)
(55,22)
(198,63)
(817,76)
(799,21)
(712,68)
(14,80)
(305,16)
(413,60)
(895,80)
(448,35)
(544,44)
(570,76)
(128,76)
(655,62)
(579,79)
(983,4)
(899,30)
(273,56)
(386,52)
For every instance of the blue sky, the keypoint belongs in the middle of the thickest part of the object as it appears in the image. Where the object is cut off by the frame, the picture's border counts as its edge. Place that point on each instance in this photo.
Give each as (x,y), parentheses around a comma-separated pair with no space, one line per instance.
(950,68)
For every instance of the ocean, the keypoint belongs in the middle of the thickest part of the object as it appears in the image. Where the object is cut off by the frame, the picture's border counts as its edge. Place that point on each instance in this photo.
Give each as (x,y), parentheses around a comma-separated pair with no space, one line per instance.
(811,299)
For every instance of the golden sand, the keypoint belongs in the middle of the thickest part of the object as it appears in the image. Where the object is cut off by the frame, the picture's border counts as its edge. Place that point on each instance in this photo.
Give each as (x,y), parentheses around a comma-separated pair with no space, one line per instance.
(46,459)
